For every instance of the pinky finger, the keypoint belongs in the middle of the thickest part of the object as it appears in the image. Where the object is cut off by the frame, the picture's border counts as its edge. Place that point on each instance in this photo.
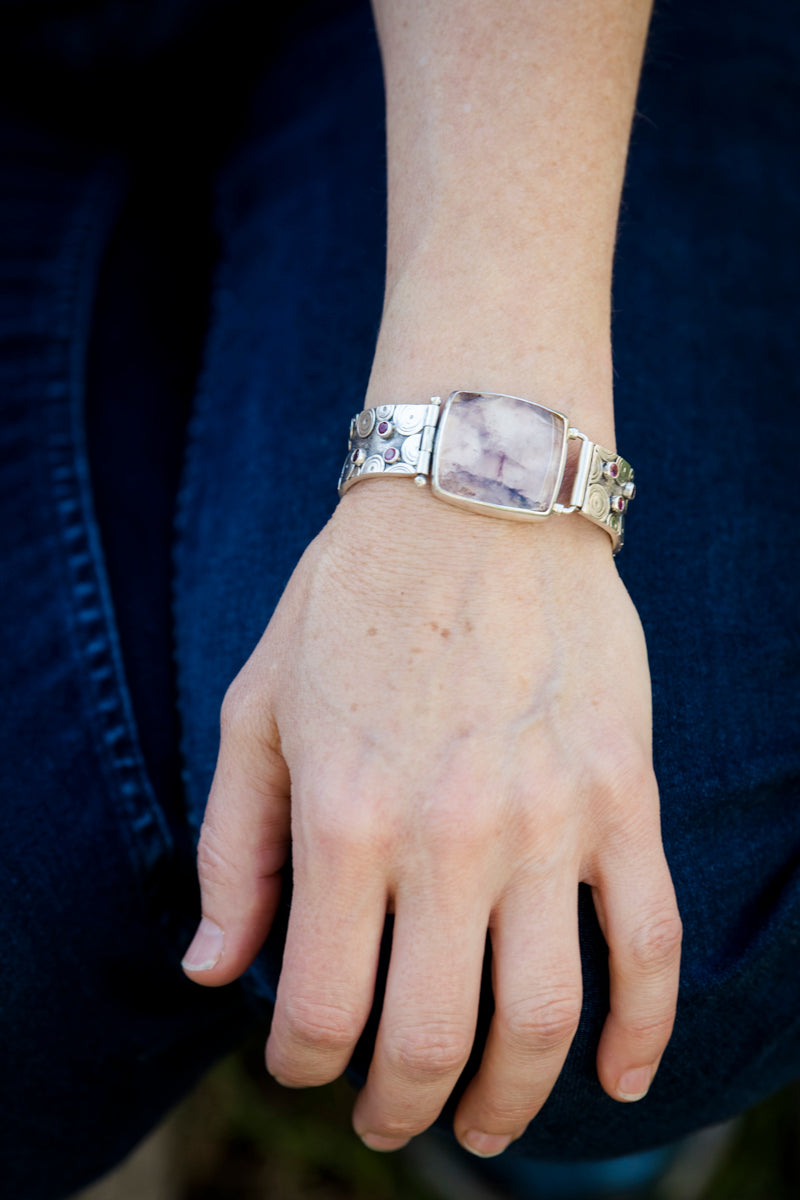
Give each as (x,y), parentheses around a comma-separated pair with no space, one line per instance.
(642,927)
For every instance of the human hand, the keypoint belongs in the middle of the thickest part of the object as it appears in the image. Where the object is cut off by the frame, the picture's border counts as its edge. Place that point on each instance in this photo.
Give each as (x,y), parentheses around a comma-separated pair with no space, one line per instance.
(449,716)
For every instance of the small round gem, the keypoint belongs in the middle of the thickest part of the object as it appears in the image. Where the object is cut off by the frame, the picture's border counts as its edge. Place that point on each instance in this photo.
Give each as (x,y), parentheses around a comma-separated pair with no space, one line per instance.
(618,503)
(390,455)
(383,428)
(354,456)
(611,469)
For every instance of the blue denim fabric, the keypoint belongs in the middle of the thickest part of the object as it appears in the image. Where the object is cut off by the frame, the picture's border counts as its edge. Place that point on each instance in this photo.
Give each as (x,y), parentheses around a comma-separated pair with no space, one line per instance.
(100,1031)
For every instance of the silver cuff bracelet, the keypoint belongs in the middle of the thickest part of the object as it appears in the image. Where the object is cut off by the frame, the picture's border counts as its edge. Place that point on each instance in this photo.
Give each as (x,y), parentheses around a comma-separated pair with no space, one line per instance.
(499,455)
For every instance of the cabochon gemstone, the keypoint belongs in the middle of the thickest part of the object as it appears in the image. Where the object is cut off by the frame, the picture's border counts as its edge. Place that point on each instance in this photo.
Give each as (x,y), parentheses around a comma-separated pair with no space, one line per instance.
(501,450)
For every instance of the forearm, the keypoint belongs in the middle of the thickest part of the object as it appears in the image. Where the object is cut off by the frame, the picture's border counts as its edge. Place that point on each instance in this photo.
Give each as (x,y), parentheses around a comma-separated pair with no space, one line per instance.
(508,128)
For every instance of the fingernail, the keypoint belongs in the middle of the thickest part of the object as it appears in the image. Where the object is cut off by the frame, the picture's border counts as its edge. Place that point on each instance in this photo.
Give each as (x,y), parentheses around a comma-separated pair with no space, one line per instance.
(635,1084)
(485,1145)
(374,1141)
(206,948)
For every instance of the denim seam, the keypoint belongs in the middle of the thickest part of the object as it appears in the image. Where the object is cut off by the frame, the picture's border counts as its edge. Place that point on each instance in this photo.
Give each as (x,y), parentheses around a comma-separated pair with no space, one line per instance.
(108,706)
(187,490)
(256,986)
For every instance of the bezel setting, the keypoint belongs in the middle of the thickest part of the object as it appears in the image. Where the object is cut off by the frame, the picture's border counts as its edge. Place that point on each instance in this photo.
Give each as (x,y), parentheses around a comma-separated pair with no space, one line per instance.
(481,466)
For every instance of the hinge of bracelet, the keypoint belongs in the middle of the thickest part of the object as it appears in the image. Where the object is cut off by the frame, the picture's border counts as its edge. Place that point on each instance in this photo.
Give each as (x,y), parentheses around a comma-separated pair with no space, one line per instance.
(582,470)
(426,440)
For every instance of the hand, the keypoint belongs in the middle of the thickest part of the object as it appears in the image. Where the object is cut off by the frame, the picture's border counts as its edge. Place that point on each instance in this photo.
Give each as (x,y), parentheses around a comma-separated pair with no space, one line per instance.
(449,715)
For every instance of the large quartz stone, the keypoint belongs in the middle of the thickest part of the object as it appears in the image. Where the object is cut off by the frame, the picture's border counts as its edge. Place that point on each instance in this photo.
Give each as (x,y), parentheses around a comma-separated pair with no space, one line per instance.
(500,450)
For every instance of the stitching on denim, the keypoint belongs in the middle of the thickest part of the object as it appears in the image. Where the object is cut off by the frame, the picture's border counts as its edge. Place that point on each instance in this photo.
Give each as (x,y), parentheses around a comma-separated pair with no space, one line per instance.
(144,828)
(188,488)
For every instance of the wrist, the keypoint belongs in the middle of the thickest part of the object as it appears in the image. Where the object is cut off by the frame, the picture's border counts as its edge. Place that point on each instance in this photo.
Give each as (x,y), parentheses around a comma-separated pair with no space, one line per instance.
(437,335)
(431,540)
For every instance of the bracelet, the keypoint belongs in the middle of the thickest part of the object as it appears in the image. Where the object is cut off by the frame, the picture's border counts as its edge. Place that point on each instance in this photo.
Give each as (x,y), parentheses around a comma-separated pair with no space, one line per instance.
(499,455)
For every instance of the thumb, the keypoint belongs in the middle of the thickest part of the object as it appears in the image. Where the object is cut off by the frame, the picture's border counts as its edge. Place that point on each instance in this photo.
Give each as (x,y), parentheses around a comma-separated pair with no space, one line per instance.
(243,844)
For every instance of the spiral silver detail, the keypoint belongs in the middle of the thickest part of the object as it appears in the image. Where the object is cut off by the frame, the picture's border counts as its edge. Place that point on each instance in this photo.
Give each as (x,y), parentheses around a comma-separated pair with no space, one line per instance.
(374,465)
(400,468)
(409,418)
(365,422)
(597,503)
(409,451)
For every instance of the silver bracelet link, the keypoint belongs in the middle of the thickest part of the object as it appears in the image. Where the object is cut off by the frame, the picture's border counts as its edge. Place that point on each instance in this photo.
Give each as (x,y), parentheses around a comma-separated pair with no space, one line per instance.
(403,439)
(392,439)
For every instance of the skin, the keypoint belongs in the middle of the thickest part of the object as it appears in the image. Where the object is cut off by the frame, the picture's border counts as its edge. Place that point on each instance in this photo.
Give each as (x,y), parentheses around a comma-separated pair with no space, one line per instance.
(459,731)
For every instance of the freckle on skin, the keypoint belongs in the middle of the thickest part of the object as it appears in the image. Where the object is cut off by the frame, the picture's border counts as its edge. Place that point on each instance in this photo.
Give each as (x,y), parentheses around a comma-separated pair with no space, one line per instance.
(354,707)
(445,633)
(371,631)
(468,626)
(434,625)
(416,649)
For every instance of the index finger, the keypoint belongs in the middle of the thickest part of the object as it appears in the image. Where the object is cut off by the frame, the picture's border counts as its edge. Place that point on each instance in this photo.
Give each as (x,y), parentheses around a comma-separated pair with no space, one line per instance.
(243,844)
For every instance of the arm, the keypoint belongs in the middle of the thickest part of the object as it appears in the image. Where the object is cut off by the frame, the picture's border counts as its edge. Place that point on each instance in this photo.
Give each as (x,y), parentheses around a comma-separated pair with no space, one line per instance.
(492,748)
(507,135)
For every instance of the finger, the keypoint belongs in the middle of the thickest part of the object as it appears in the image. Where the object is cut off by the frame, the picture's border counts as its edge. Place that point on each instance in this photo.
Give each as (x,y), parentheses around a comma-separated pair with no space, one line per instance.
(244,843)
(329,967)
(639,917)
(537,989)
(429,1016)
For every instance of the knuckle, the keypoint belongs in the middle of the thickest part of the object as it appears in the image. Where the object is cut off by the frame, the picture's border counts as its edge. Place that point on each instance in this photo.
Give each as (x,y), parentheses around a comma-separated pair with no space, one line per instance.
(428,1051)
(216,865)
(458,826)
(656,945)
(245,715)
(398,1127)
(341,831)
(650,1029)
(632,776)
(543,1023)
(512,1115)
(628,825)
(628,797)
(549,840)
(237,706)
(326,1028)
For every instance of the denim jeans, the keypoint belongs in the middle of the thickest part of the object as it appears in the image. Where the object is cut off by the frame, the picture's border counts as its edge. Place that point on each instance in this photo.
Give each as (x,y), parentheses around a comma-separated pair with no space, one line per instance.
(191,262)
